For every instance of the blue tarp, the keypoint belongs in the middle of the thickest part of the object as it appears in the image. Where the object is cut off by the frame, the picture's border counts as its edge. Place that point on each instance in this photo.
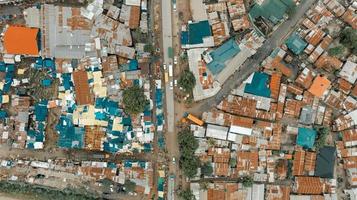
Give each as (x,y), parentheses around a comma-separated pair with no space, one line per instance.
(69,135)
(46,82)
(41,111)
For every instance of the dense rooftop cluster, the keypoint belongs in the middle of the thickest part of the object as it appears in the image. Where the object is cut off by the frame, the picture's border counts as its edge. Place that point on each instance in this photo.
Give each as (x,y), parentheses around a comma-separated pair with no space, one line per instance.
(291,122)
(63,71)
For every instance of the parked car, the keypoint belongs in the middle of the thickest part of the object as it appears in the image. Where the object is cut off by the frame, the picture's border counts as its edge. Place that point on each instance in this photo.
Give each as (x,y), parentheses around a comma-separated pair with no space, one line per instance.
(171,85)
(174,160)
(175,60)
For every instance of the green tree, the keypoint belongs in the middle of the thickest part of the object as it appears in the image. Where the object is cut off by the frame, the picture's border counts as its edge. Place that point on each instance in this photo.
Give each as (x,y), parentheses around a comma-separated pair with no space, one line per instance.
(233,162)
(247,181)
(206,169)
(348,38)
(189,165)
(134,100)
(129,186)
(336,51)
(188,145)
(186,195)
(149,48)
(291,11)
(187,81)
(187,142)
(322,133)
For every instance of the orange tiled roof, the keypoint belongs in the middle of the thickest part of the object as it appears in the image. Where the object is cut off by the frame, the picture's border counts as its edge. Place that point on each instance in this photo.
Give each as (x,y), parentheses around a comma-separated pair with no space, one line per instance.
(277,192)
(319,86)
(328,63)
(21,40)
(310,161)
(247,161)
(134,20)
(350,17)
(292,88)
(309,185)
(298,163)
(275,85)
(81,87)
(344,85)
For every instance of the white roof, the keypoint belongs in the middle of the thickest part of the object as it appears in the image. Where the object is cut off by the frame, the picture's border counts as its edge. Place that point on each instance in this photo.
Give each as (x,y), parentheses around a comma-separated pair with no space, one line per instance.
(349,72)
(240,130)
(258,191)
(217,132)
(353,115)
(133,2)
(300,197)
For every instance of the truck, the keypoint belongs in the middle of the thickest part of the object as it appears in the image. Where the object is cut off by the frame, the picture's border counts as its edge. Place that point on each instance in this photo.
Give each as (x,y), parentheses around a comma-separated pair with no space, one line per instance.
(166,77)
(171,73)
(194,119)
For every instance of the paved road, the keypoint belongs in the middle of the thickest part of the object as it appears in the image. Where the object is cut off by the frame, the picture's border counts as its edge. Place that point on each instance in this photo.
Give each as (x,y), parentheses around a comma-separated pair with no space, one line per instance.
(166,17)
(252,64)
(166,44)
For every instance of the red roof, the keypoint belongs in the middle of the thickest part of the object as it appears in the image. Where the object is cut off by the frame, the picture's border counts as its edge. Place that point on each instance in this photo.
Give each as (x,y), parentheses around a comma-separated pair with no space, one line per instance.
(21,40)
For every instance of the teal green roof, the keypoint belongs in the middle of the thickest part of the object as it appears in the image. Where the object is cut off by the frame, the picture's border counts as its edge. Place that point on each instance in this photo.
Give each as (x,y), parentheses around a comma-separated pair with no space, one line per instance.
(296,44)
(197,31)
(306,137)
(223,53)
(259,85)
(272,10)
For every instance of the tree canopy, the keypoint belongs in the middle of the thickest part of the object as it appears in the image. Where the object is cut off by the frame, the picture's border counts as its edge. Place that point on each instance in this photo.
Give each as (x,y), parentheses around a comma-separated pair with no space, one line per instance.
(336,51)
(188,145)
(322,133)
(149,48)
(247,181)
(348,38)
(206,169)
(129,186)
(187,81)
(134,100)
(186,195)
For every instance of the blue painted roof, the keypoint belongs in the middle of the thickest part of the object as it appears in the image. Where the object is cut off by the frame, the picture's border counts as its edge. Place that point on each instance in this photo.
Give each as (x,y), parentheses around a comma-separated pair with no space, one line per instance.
(272,10)
(306,137)
(196,32)
(295,43)
(223,53)
(259,85)
(184,37)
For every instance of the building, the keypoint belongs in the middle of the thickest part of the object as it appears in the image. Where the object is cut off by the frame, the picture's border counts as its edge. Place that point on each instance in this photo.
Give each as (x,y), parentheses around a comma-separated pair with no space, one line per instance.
(325,164)
(20,40)
(65,32)
(198,34)
(319,86)
(217,132)
(219,56)
(296,44)
(349,72)
(306,138)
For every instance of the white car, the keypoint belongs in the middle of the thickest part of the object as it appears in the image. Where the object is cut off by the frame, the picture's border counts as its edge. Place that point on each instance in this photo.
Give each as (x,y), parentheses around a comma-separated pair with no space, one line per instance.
(175,83)
(175,60)
(173,160)
(164,66)
(171,85)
